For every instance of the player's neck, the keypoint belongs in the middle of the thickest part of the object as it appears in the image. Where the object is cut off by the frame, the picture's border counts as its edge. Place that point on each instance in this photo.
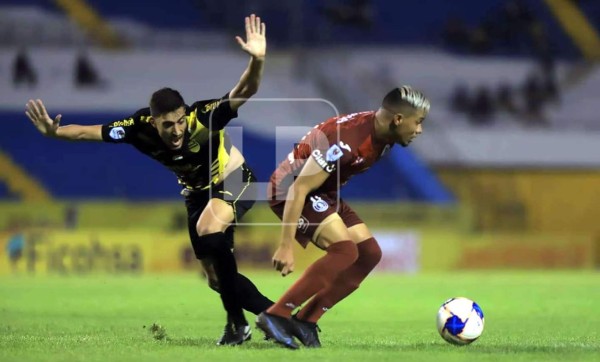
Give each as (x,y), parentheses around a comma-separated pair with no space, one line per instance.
(382,129)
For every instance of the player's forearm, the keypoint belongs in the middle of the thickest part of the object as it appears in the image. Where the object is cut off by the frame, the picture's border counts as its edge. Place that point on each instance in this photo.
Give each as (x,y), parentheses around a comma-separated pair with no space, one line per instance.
(250,79)
(291,214)
(75,132)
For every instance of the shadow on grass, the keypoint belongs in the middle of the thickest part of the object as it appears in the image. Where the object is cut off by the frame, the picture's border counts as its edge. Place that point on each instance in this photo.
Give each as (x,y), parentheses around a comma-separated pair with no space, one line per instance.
(257,342)
(474,348)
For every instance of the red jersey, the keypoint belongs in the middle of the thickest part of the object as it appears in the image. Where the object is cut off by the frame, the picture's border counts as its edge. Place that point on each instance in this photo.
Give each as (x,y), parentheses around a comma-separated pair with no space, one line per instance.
(343,146)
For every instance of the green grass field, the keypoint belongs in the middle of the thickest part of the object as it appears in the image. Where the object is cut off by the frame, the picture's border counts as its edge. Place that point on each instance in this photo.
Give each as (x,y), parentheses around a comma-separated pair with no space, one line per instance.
(529,317)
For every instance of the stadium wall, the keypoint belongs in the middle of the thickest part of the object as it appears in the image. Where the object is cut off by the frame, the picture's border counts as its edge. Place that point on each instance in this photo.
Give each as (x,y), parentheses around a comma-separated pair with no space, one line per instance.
(531,200)
(151,238)
(43,252)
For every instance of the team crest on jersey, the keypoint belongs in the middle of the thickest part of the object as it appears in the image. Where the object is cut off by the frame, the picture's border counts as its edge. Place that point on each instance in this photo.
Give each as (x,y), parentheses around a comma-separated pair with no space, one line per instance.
(117,133)
(334,153)
(318,204)
(193,146)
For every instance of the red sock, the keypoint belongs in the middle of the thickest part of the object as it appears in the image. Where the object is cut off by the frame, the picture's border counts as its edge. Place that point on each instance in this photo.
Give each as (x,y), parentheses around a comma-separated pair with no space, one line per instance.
(369,254)
(319,275)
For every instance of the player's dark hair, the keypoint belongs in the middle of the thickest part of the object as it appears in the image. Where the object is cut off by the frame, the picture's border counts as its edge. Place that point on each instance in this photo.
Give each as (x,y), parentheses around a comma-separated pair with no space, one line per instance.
(165,100)
(404,98)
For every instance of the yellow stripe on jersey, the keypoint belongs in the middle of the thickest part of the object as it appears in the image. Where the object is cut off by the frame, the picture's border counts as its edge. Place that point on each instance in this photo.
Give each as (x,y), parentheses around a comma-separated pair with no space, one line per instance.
(198,133)
(218,165)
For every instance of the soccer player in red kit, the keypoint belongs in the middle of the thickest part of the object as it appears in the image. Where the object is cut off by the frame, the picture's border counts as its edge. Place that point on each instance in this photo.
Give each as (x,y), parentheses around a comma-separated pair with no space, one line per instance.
(303,192)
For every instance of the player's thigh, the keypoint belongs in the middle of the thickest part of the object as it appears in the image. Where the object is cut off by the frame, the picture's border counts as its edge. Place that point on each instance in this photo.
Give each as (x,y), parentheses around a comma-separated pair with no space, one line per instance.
(357,229)
(331,230)
(216,217)
(359,233)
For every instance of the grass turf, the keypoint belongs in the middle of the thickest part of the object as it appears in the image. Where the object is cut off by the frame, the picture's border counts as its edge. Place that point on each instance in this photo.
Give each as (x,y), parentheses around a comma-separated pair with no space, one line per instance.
(529,316)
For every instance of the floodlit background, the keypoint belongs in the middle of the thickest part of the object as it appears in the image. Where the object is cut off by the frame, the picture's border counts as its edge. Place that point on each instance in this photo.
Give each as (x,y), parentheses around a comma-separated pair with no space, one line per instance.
(504,182)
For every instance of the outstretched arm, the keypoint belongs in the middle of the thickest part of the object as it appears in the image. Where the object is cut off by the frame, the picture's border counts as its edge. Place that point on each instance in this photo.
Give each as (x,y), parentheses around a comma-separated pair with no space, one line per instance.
(256,46)
(49,127)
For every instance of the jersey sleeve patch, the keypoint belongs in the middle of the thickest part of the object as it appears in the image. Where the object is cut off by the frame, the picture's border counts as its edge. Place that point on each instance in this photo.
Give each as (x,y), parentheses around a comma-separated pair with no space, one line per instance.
(120,131)
(334,153)
(214,114)
(331,159)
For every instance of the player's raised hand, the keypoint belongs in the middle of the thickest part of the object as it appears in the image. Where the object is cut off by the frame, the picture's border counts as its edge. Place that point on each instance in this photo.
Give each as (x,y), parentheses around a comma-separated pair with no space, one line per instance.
(256,42)
(37,113)
(283,260)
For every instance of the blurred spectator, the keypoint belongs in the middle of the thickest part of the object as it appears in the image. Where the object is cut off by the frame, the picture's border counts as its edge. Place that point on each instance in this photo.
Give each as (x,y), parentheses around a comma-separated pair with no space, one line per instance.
(517,16)
(178,221)
(482,108)
(23,72)
(85,74)
(15,246)
(550,89)
(512,29)
(71,216)
(455,34)
(534,99)
(505,99)
(357,13)
(480,41)
(460,101)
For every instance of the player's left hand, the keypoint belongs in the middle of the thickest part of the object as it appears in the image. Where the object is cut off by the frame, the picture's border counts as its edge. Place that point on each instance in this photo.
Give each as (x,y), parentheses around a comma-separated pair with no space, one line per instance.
(256,42)
(283,259)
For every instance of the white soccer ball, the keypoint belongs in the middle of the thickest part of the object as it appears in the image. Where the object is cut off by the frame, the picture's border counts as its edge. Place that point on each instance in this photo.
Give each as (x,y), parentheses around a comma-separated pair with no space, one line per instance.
(460,321)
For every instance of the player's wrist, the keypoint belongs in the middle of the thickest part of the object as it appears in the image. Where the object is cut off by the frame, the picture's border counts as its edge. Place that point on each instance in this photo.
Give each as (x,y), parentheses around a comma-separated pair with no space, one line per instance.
(286,242)
(54,133)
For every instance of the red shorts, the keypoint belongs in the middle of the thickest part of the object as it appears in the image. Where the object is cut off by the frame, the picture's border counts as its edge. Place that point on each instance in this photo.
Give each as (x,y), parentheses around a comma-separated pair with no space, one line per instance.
(318,207)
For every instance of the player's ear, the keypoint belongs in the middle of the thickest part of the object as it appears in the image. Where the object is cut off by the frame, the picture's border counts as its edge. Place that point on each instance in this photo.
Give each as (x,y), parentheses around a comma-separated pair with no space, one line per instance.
(398,119)
(152,121)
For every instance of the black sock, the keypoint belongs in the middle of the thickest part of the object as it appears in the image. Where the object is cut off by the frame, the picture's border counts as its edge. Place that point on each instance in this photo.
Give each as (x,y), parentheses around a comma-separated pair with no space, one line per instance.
(250,297)
(226,270)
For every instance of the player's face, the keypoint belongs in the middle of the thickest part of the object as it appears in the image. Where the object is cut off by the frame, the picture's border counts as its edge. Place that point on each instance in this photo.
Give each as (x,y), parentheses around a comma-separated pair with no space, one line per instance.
(409,127)
(171,128)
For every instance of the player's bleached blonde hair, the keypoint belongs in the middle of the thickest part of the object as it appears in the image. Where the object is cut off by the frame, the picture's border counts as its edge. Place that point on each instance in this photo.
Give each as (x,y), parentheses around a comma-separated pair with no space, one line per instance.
(406,95)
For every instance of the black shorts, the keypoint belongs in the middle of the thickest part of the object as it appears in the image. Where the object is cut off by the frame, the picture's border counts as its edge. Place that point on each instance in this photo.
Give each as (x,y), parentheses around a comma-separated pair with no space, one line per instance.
(238,190)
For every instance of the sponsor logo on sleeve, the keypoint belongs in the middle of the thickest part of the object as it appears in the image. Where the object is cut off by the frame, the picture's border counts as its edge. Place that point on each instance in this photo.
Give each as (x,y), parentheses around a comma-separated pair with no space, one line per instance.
(334,153)
(117,133)
(318,156)
(318,204)
(211,106)
(123,123)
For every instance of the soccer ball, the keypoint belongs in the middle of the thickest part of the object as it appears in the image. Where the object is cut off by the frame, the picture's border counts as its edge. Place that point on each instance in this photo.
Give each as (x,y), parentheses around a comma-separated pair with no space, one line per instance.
(460,321)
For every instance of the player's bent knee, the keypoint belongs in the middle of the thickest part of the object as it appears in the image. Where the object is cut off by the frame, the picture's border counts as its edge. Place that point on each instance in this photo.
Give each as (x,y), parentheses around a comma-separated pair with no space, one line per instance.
(206,246)
(370,253)
(214,285)
(352,285)
(210,228)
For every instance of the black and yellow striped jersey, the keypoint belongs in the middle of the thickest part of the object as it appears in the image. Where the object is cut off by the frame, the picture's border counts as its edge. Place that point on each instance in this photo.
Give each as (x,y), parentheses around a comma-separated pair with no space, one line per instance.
(201,160)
